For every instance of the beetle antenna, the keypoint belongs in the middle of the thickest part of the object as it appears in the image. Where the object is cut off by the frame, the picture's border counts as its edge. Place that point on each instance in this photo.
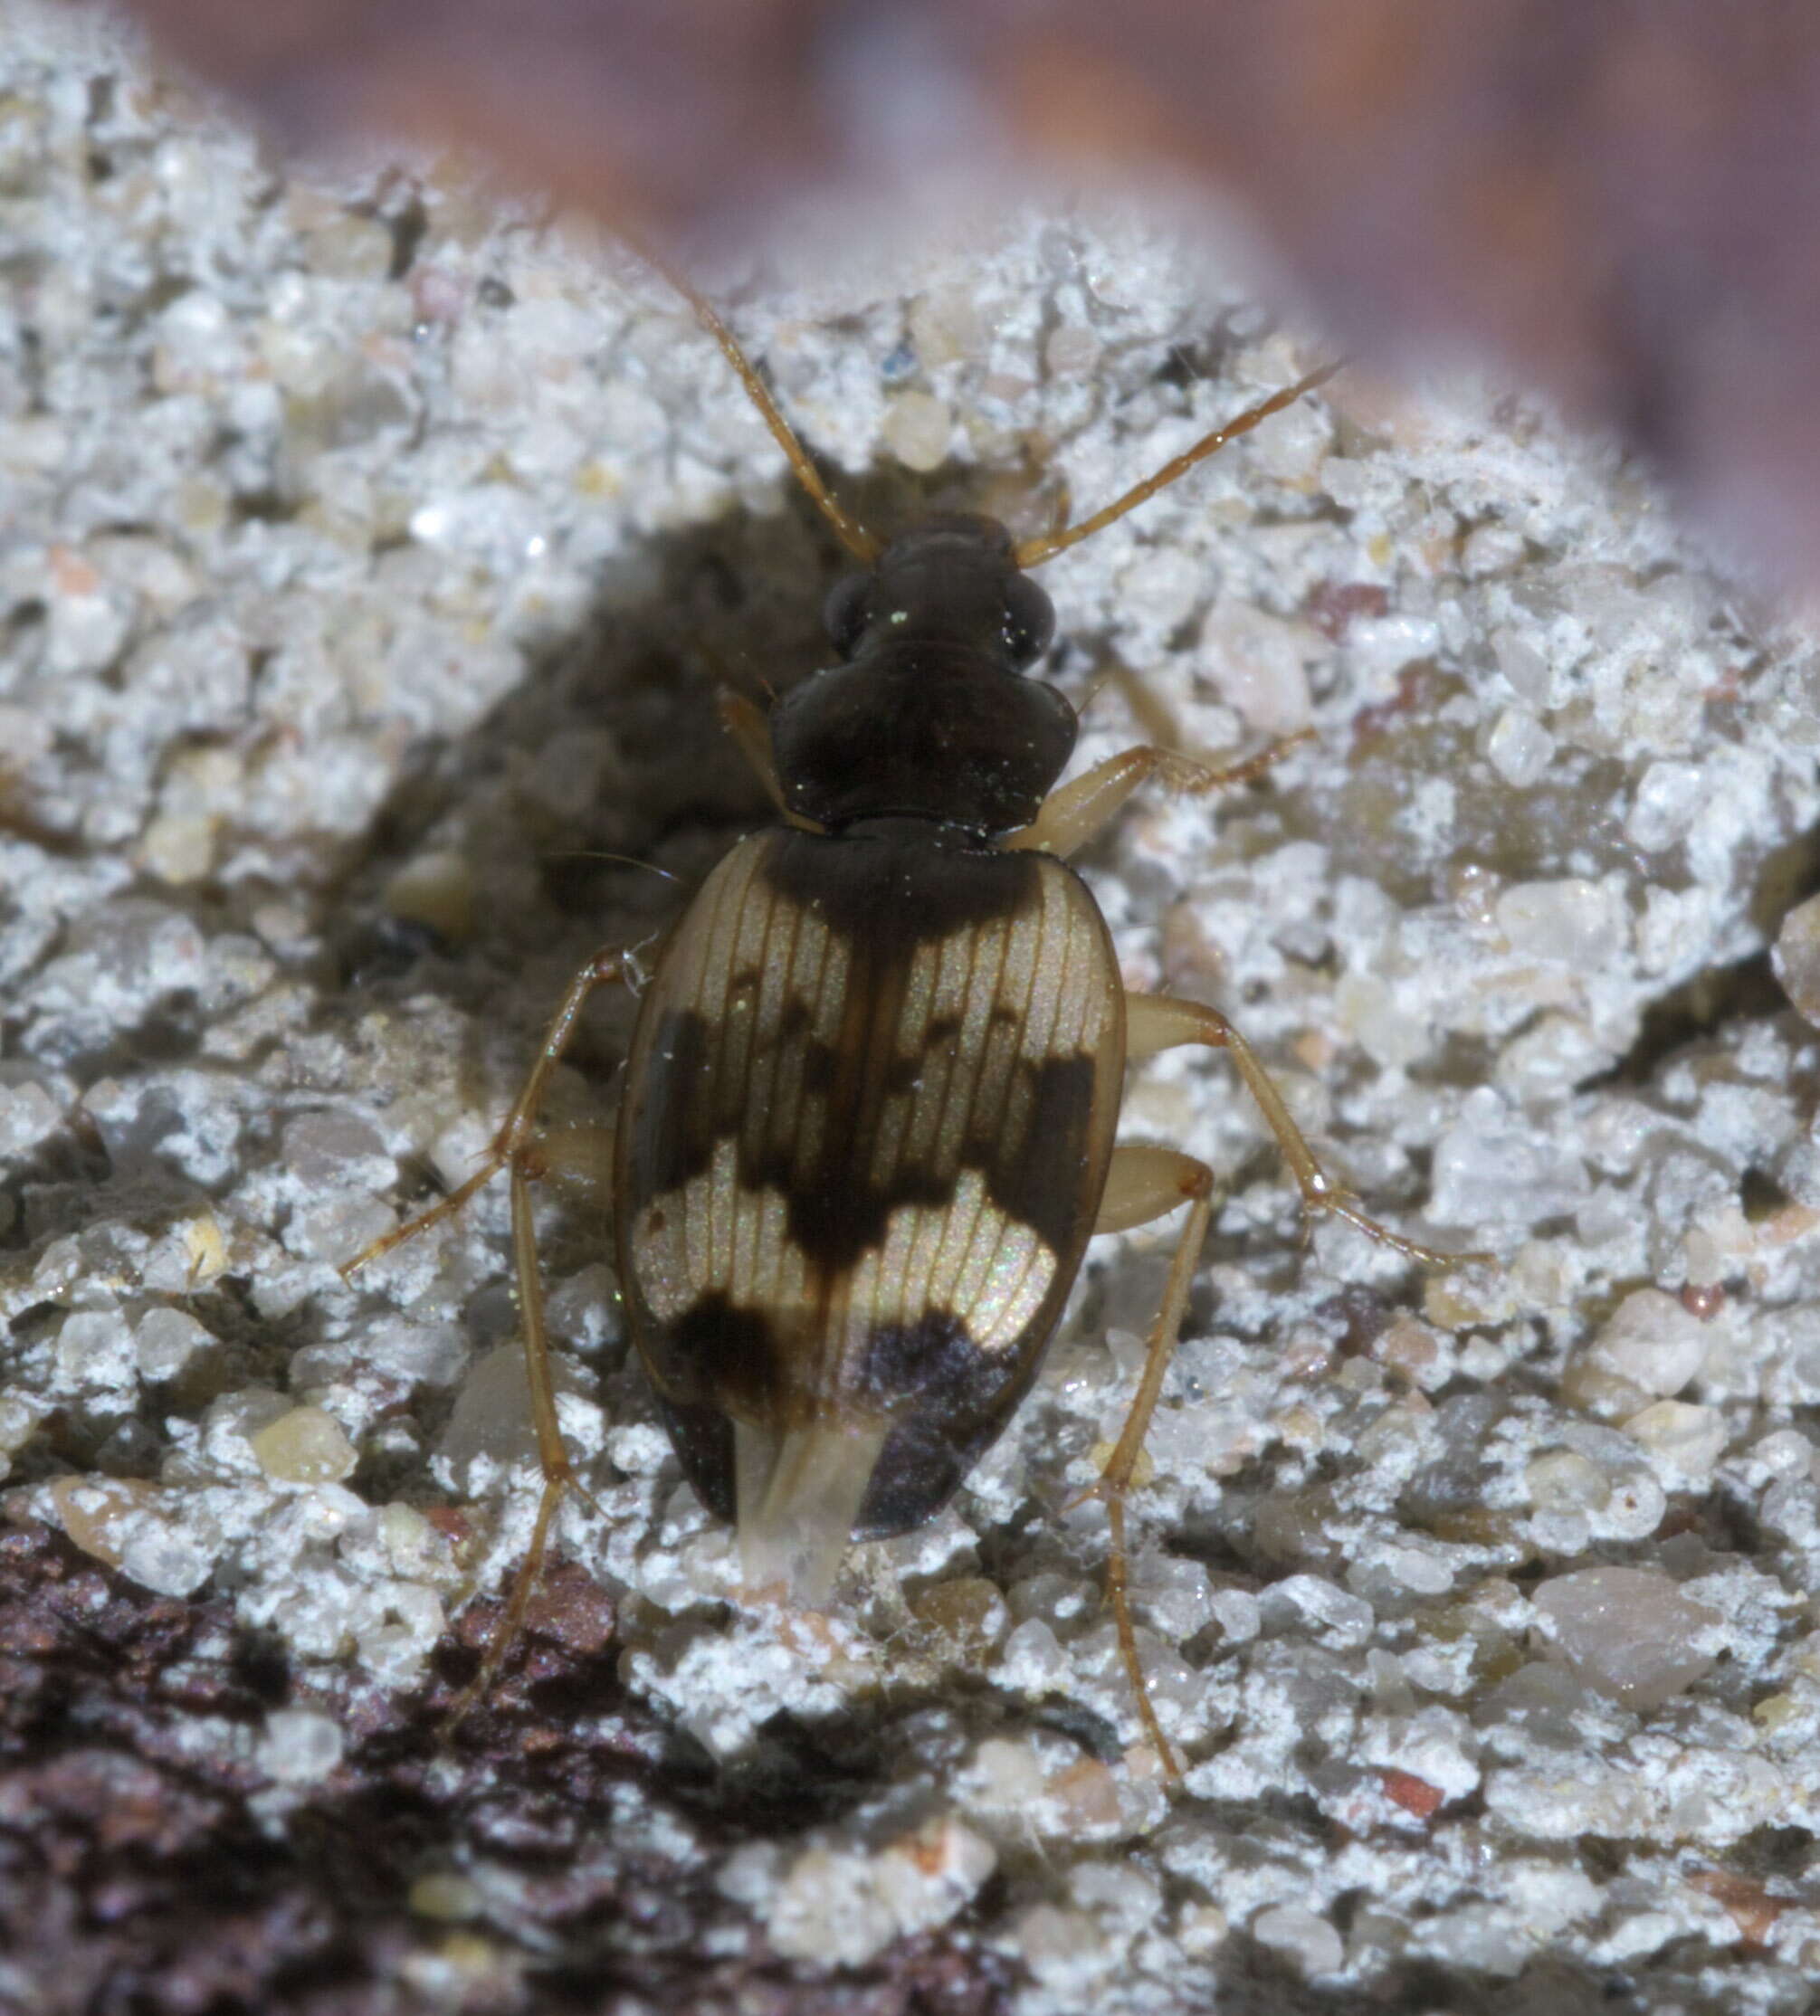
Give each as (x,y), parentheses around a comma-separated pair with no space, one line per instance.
(602,854)
(1031,553)
(863,545)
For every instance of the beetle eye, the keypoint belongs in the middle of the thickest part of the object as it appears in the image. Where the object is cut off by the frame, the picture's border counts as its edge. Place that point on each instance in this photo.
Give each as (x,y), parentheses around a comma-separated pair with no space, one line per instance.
(1029,620)
(849,612)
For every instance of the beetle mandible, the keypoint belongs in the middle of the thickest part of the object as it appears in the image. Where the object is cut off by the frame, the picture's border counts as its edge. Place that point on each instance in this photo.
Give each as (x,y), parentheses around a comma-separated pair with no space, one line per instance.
(869,1106)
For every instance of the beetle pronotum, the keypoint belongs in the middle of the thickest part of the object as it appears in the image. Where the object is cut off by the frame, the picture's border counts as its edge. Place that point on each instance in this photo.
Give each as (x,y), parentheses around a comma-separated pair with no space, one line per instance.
(867,1125)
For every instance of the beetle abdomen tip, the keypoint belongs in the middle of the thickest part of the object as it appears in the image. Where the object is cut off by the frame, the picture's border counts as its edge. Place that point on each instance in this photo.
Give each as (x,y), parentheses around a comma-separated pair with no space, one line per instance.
(799,1492)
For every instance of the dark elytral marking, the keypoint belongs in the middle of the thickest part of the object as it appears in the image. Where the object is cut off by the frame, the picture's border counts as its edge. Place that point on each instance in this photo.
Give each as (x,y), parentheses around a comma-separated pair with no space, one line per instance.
(933,1359)
(722,1354)
(953,1398)
(672,1153)
(838,1223)
(919,1469)
(950,1399)
(702,1438)
(840,1216)
(903,1074)
(1042,1186)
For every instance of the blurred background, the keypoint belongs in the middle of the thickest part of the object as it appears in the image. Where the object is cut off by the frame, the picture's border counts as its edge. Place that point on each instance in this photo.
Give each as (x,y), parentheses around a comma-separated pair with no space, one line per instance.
(1616,204)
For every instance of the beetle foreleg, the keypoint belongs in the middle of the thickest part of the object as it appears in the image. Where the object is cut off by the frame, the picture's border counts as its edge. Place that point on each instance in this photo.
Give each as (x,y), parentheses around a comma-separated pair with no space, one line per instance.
(750,727)
(1072,815)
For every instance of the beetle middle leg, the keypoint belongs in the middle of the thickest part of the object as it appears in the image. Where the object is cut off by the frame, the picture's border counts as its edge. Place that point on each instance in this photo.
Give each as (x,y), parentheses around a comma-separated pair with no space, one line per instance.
(516,1137)
(1156,1022)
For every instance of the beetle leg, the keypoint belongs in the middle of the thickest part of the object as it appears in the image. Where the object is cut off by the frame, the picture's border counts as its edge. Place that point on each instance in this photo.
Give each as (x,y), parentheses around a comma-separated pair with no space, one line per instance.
(519,1147)
(579,1159)
(559,1473)
(745,723)
(1143,1183)
(1071,816)
(518,1136)
(749,727)
(1155,1023)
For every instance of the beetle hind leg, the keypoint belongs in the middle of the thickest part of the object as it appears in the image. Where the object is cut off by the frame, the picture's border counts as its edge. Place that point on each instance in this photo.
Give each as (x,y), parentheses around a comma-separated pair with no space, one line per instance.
(1143,1183)
(575,1155)
(1146,1183)
(578,1154)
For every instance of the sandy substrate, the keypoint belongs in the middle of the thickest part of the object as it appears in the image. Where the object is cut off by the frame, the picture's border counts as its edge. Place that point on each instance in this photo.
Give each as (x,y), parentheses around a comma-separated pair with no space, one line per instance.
(370,550)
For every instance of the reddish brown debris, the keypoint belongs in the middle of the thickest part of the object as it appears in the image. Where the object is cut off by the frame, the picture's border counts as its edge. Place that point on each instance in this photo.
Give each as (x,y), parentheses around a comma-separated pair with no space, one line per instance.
(139,1877)
(1415,696)
(1751,1908)
(1336,606)
(1414,1795)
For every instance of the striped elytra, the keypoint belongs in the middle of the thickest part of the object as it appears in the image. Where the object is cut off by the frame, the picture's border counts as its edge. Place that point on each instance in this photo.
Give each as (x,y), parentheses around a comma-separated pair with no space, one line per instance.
(869,1110)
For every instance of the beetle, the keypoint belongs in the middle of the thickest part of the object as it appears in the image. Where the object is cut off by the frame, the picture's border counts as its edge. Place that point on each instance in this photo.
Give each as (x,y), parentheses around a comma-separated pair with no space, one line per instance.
(867,1116)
